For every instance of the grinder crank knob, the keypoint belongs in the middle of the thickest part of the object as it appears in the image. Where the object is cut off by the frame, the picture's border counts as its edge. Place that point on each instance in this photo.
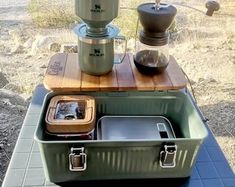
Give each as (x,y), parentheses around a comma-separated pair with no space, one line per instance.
(212,6)
(157,4)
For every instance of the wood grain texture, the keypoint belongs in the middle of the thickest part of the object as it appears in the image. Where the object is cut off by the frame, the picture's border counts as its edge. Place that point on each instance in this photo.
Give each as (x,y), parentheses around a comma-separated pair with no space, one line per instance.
(72,72)
(55,72)
(64,74)
(176,75)
(162,81)
(143,82)
(125,77)
(109,82)
(90,82)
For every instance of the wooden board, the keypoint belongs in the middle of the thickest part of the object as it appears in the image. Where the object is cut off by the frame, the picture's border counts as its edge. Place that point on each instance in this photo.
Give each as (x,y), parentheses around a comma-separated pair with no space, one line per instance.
(64,74)
(125,77)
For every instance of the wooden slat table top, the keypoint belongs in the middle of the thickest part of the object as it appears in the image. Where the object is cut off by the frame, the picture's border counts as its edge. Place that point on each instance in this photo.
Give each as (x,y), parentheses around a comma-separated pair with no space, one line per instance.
(64,74)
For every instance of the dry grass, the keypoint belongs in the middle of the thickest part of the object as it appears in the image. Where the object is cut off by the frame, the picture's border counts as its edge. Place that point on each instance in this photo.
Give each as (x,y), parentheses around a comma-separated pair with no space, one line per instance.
(51,13)
(200,30)
(46,13)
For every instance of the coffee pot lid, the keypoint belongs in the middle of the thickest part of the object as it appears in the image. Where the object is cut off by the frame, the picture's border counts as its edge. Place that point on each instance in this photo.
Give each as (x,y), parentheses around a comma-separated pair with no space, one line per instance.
(156,19)
(81,31)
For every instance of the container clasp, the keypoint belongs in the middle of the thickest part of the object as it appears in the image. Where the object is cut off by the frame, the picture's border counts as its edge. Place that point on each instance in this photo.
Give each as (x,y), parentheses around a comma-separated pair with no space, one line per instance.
(168,156)
(77,159)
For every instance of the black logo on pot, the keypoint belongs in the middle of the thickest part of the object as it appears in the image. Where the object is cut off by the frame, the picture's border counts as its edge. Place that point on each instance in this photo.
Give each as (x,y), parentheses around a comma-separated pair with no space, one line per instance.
(97,9)
(96,53)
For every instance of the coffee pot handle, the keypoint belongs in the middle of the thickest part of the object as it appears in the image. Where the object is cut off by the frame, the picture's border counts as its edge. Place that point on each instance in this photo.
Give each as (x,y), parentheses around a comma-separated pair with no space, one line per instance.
(122,38)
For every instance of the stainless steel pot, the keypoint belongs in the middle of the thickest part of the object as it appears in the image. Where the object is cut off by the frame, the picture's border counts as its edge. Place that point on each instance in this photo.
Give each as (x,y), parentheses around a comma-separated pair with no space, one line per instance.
(97,13)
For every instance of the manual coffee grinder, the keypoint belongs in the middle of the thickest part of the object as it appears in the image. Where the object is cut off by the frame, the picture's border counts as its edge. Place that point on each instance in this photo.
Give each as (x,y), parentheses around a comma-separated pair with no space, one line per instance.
(96,36)
(152,55)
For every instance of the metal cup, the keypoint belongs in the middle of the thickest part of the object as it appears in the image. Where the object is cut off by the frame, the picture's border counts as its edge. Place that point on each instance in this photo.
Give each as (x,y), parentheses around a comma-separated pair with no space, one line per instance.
(96,56)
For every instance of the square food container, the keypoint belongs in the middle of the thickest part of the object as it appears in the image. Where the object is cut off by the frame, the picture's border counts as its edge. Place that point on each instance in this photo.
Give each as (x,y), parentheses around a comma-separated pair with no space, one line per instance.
(71,114)
(134,128)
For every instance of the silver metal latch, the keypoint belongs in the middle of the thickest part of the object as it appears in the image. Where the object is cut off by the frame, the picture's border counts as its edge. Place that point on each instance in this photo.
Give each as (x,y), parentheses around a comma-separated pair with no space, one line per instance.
(168,156)
(77,159)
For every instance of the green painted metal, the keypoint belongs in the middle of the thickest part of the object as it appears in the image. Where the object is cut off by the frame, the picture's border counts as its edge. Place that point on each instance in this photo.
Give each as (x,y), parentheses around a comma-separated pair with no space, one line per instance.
(98,13)
(96,64)
(127,159)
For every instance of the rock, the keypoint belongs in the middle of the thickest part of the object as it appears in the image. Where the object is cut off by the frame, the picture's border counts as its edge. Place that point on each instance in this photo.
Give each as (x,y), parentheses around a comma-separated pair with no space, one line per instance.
(41,43)
(43,66)
(18,49)
(18,35)
(13,34)
(12,87)
(26,97)
(28,56)
(69,48)
(6,102)
(54,47)
(2,48)
(3,80)
(41,75)
(20,109)
(212,80)
(209,78)
(28,44)
(200,80)
(204,50)
(13,97)
(4,37)
(192,82)
(131,45)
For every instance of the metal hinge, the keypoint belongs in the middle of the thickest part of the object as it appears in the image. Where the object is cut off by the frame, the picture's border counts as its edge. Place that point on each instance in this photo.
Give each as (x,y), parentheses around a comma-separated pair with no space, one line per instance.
(77,159)
(168,156)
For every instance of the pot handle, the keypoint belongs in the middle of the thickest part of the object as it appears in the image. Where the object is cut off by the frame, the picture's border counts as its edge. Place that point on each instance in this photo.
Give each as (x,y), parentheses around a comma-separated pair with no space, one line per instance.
(122,38)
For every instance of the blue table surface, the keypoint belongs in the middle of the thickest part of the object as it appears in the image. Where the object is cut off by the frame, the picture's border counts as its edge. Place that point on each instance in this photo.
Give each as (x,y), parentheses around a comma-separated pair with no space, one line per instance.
(25,168)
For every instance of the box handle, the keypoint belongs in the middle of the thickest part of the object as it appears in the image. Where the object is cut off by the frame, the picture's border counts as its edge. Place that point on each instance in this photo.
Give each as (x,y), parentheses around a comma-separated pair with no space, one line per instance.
(168,156)
(77,159)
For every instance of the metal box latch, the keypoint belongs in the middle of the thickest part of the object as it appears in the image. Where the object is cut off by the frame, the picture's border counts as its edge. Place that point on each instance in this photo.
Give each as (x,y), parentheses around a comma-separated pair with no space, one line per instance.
(168,156)
(77,159)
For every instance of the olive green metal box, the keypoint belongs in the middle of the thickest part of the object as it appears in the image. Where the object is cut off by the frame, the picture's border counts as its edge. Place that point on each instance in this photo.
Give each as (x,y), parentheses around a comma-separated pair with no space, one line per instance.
(72,160)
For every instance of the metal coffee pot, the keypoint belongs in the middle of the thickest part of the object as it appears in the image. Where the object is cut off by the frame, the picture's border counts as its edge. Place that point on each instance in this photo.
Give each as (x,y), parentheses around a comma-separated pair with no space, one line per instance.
(97,14)
(96,37)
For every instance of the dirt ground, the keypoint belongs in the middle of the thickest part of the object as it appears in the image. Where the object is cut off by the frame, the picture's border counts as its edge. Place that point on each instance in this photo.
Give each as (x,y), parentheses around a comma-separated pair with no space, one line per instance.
(204,48)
